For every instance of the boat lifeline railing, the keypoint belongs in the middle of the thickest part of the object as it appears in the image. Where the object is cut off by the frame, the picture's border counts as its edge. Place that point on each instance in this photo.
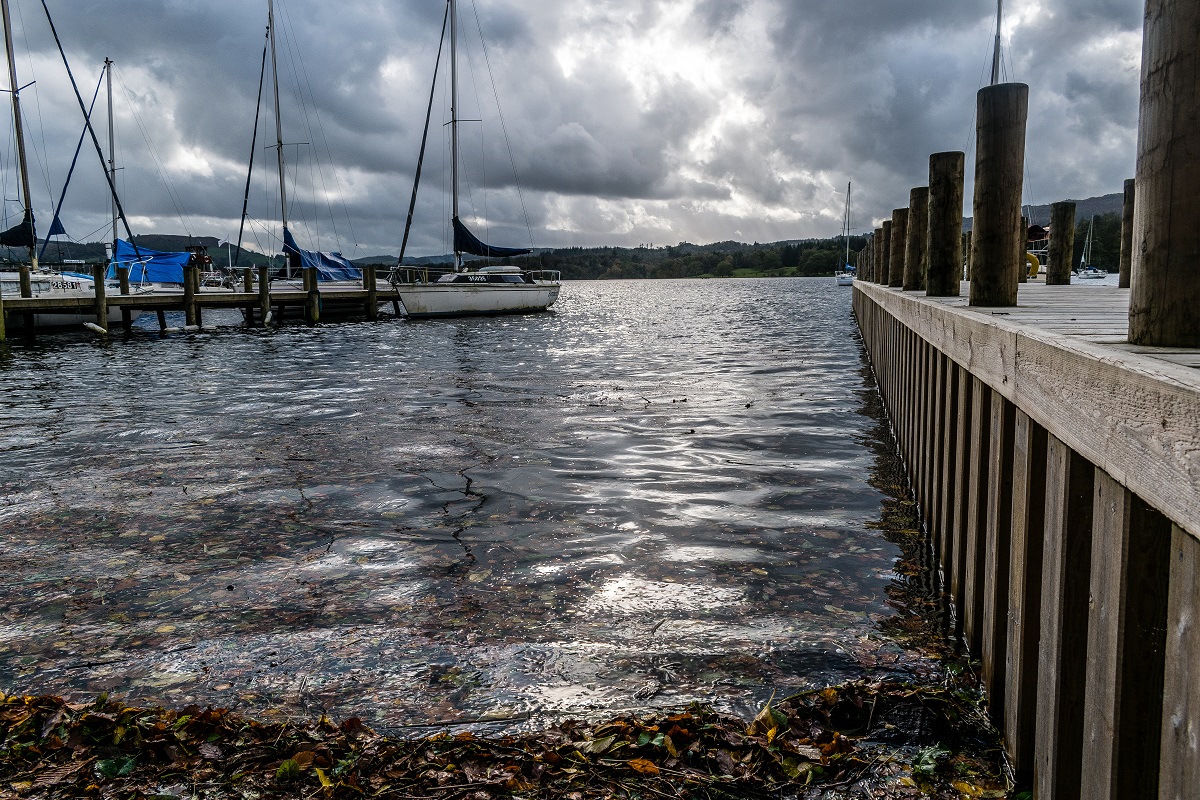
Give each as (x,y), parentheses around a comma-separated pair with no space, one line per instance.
(544,275)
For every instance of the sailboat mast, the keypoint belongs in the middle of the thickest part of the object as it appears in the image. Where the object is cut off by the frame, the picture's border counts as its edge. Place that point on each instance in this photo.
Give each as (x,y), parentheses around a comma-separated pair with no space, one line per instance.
(112,152)
(454,119)
(278,127)
(996,51)
(21,164)
(846,228)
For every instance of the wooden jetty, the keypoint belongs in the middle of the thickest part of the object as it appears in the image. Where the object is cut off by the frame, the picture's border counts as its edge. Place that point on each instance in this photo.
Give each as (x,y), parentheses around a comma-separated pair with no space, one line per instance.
(259,303)
(1052,439)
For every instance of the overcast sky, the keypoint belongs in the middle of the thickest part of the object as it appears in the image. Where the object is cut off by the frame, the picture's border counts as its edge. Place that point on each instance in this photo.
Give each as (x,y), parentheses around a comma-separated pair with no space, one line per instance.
(627,121)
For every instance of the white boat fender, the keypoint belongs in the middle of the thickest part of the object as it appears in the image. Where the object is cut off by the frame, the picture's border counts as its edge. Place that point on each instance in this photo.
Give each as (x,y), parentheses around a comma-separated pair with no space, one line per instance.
(267,319)
(94,328)
(192,328)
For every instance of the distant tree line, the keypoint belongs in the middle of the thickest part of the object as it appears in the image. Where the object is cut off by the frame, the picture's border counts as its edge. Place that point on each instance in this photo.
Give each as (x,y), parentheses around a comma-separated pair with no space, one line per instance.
(806,258)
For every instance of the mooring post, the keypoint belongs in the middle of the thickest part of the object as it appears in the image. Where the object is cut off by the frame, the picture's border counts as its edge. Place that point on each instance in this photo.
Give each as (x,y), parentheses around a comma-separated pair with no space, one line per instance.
(3,333)
(101,306)
(196,297)
(914,247)
(190,274)
(126,316)
(886,254)
(999,175)
(899,241)
(371,278)
(1166,221)
(944,233)
(1127,234)
(248,288)
(876,255)
(312,303)
(968,249)
(264,295)
(162,320)
(1062,243)
(1022,249)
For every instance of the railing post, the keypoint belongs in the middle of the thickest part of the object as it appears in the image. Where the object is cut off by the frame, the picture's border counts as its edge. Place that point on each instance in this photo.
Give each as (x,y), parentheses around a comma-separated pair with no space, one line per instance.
(1166,223)
(899,241)
(1127,233)
(999,175)
(944,239)
(918,231)
(1062,244)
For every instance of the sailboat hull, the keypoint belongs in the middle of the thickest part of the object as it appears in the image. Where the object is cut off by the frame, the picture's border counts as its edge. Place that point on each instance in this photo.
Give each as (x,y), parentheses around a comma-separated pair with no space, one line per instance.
(459,300)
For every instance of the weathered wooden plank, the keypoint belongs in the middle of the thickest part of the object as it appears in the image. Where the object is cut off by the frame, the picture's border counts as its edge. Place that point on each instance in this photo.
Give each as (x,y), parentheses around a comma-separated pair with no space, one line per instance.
(1123,694)
(999,554)
(1062,650)
(949,469)
(977,510)
(1025,592)
(1179,775)
(962,483)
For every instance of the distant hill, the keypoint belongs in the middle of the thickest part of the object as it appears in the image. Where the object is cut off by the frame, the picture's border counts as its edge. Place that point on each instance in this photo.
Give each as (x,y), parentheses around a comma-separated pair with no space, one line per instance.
(1084,209)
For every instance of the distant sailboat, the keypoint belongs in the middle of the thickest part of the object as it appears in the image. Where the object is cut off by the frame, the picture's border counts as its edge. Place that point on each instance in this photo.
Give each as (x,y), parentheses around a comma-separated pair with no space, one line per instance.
(465,291)
(845,275)
(1086,271)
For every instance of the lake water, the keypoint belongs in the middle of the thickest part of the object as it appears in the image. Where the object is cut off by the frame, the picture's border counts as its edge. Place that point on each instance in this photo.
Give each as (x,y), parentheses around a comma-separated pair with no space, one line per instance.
(657,493)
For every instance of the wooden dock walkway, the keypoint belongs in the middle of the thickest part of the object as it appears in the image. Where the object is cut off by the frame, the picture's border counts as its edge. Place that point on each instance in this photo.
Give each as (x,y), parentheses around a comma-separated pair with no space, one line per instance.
(1057,469)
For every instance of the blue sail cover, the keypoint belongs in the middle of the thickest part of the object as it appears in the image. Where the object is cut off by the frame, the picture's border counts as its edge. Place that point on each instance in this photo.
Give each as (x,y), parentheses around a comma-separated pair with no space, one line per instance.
(330,266)
(466,242)
(148,266)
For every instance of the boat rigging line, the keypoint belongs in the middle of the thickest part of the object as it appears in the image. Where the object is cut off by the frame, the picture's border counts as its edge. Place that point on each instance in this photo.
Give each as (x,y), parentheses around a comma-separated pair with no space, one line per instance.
(253,146)
(75,160)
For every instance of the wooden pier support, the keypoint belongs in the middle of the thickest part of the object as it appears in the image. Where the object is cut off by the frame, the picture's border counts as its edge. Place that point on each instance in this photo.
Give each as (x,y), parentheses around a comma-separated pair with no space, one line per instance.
(123,282)
(191,277)
(1179,774)
(1127,233)
(370,283)
(899,240)
(1062,244)
(3,325)
(918,231)
(312,305)
(1166,228)
(101,305)
(876,255)
(943,236)
(999,244)
(264,295)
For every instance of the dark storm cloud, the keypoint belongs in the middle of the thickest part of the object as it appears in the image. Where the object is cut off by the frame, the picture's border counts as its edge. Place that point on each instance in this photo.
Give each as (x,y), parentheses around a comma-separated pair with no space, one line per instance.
(629,121)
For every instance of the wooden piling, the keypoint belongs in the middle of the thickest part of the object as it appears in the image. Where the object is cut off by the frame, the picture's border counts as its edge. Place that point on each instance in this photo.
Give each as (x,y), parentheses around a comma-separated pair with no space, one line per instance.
(264,295)
(886,253)
(944,233)
(876,255)
(101,305)
(126,315)
(918,232)
(899,239)
(1022,249)
(3,328)
(1166,225)
(1062,243)
(191,276)
(312,304)
(968,251)
(162,320)
(1127,234)
(371,281)
(1123,696)
(999,175)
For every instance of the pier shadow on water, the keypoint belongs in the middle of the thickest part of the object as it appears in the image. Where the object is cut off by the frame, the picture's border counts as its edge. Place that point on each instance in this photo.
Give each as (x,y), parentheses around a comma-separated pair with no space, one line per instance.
(635,502)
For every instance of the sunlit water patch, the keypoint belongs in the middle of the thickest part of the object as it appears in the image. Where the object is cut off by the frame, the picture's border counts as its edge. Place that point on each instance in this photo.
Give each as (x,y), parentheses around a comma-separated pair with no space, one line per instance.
(657,493)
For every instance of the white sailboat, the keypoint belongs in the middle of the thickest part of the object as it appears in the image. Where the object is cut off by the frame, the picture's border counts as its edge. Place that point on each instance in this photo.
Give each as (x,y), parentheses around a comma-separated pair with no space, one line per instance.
(1086,271)
(845,275)
(467,291)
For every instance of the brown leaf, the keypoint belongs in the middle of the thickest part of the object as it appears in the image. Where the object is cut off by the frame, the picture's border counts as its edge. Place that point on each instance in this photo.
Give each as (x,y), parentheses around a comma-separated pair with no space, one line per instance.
(644,766)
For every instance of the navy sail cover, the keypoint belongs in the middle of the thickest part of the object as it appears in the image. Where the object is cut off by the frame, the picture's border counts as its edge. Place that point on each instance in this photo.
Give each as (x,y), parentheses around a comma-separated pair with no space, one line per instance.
(466,242)
(20,235)
(148,266)
(330,266)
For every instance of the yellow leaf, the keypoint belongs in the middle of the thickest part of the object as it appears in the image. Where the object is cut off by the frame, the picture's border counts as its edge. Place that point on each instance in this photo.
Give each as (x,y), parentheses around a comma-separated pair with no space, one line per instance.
(323,778)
